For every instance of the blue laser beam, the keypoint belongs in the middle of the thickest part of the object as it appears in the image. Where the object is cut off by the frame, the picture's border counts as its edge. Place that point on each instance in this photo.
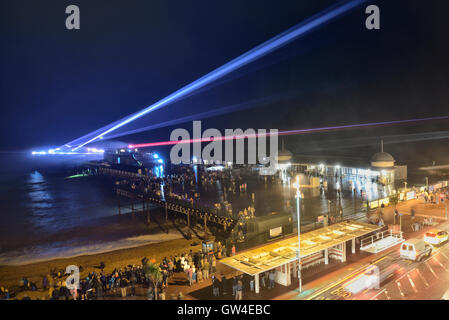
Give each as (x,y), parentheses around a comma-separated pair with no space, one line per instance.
(202,115)
(242,60)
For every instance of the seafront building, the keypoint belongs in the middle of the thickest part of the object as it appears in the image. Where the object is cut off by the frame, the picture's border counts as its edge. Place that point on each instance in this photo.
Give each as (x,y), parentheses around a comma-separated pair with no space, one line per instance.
(381,168)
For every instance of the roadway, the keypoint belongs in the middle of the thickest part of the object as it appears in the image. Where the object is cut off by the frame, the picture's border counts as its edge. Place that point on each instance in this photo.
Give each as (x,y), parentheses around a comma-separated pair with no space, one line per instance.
(401,279)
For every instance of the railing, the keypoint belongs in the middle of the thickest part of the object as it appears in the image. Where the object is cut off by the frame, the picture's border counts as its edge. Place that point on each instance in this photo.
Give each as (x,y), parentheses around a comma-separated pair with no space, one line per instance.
(184,208)
(379,236)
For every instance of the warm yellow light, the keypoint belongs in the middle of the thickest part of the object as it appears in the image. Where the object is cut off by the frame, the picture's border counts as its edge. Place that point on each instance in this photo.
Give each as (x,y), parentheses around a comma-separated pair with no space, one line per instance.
(296,184)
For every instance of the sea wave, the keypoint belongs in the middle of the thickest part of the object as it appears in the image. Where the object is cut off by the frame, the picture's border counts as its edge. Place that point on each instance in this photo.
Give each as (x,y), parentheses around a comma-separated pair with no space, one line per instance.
(67,250)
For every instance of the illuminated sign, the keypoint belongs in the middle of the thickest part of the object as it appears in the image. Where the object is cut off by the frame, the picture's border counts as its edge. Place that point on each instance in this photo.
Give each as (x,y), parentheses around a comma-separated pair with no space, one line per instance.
(410,195)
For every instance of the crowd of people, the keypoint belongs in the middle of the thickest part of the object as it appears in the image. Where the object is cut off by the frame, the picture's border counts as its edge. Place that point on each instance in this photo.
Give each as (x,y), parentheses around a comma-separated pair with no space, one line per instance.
(134,281)
(123,282)
(95,286)
(180,191)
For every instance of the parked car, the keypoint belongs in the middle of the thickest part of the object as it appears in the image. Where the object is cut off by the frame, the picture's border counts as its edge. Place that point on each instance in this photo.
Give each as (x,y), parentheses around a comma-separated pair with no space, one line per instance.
(415,249)
(436,237)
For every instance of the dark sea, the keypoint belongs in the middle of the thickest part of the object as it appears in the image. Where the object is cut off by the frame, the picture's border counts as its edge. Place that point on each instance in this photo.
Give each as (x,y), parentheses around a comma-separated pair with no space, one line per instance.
(44,214)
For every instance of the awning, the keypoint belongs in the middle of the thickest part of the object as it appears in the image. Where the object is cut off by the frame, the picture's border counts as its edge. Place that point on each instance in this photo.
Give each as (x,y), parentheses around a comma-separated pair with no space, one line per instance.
(277,253)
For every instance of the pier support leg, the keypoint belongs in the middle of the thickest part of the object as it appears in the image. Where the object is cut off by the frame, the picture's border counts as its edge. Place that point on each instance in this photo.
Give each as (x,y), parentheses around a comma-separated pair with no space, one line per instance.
(343,249)
(353,245)
(326,256)
(118,203)
(132,208)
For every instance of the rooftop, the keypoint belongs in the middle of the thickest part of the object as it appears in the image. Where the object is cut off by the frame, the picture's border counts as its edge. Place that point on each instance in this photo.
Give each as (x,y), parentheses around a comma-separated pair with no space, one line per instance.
(382,156)
(275,254)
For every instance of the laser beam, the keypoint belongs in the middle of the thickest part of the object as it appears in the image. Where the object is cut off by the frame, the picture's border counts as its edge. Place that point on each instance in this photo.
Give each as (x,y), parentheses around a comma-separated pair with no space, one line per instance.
(288,132)
(261,50)
(202,115)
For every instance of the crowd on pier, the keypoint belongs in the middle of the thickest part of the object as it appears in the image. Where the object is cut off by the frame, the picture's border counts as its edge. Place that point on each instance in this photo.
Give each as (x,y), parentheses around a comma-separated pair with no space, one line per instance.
(180,191)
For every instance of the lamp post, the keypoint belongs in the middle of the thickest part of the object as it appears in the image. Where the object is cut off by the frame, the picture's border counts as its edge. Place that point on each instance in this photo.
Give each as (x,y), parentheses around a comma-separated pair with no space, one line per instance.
(445,208)
(297,196)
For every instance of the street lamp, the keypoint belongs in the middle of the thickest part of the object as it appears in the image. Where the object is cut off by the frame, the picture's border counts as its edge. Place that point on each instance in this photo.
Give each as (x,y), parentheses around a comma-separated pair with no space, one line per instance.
(445,208)
(297,196)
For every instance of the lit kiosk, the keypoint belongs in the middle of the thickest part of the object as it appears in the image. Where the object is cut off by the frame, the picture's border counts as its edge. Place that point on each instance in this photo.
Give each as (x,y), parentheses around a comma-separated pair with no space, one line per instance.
(383,162)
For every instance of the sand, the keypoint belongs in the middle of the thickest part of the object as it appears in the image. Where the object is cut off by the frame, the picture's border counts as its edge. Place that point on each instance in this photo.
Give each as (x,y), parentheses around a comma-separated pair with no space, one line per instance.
(10,275)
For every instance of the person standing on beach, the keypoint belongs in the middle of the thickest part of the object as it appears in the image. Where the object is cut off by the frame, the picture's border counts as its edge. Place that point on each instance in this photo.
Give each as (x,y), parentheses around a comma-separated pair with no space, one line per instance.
(234,286)
(193,274)
(272,276)
(206,267)
(123,284)
(199,275)
(190,275)
(214,264)
(165,277)
(239,290)
(170,268)
(44,283)
(103,281)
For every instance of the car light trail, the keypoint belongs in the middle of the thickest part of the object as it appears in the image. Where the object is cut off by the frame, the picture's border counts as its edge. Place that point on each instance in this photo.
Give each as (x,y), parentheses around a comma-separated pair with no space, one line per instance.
(242,60)
(289,132)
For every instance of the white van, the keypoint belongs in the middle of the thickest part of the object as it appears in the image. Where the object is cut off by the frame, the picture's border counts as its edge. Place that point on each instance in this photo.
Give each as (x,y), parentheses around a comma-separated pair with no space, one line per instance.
(415,249)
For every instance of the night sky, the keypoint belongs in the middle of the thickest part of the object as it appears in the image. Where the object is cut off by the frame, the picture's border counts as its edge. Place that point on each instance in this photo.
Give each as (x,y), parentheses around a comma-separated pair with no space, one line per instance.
(58,84)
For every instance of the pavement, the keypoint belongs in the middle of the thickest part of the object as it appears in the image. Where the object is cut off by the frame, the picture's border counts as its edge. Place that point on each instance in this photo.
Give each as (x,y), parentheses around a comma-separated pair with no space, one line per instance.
(400,279)
(423,210)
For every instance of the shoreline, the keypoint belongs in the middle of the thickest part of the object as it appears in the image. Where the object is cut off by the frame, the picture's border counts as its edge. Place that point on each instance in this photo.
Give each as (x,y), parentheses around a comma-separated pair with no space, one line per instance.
(46,253)
(117,258)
